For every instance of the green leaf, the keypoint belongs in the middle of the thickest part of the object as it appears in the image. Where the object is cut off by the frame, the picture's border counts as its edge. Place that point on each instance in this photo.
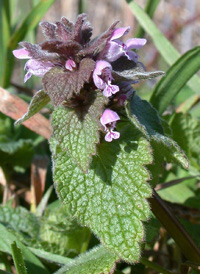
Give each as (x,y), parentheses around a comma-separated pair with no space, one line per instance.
(29,23)
(176,77)
(186,132)
(13,152)
(50,256)
(5,272)
(177,193)
(150,9)
(43,203)
(111,197)
(124,69)
(55,232)
(97,261)
(32,263)
(157,167)
(145,118)
(20,220)
(18,259)
(77,129)
(39,100)
(166,49)
(60,233)
(152,231)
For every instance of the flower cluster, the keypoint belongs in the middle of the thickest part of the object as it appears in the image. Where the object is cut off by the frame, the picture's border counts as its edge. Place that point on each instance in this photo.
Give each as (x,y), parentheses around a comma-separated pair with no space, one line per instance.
(83,64)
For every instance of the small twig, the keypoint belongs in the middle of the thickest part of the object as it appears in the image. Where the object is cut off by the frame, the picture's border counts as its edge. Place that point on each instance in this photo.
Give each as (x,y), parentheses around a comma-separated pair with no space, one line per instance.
(14,107)
(173,182)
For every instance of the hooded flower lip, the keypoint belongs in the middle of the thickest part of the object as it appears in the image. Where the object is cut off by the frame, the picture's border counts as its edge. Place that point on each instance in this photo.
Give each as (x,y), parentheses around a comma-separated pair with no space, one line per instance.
(115,48)
(102,78)
(108,120)
(33,66)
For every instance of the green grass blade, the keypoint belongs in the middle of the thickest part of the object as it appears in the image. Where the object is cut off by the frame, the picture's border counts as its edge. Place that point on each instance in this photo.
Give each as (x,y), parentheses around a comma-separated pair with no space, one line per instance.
(18,259)
(166,49)
(188,104)
(33,264)
(43,203)
(50,256)
(29,23)
(4,30)
(150,9)
(175,78)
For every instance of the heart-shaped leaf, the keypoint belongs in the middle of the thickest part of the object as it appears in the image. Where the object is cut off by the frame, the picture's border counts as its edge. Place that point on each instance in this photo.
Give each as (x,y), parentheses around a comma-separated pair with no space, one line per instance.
(111,197)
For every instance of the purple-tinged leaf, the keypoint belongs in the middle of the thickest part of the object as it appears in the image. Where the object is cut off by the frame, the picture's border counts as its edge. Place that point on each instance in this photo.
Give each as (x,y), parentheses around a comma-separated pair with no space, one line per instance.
(97,44)
(67,49)
(67,23)
(61,85)
(62,32)
(78,26)
(36,52)
(48,29)
(86,32)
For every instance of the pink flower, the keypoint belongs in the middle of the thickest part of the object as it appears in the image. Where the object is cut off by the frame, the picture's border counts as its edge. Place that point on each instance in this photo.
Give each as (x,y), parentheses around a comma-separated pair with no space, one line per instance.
(70,64)
(115,48)
(37,68)
(108,120)
(102,78)
(21,53)
(33,67)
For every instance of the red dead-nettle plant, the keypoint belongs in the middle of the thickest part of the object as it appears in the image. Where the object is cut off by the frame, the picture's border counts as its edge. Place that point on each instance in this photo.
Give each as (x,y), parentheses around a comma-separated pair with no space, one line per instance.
(103,134)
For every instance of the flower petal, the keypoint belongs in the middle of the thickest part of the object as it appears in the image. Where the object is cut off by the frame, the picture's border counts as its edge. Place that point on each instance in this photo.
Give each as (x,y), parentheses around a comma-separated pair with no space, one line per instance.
(100,65)
(135,43)
(131,55)
(101,74)
(21,53)
(109,116)
(119,32)
(115,134)
(27,76)
(112,135)
(38,68)
(110,90)
(108,137)
(70,64)
(114,51)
